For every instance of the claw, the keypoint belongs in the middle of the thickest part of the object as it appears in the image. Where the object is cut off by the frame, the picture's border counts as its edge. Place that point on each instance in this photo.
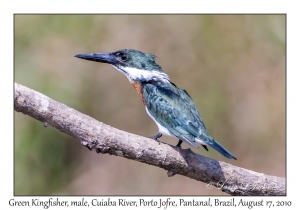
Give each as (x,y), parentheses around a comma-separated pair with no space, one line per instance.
(156,137)
(179,143)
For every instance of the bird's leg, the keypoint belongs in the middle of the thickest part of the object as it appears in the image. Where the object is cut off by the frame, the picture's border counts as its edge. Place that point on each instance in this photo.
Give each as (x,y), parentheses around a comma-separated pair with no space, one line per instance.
(179,143)
(156,137)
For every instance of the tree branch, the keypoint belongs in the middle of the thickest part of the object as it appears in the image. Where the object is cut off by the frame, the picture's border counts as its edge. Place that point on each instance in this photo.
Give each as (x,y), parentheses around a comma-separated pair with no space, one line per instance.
(102,138)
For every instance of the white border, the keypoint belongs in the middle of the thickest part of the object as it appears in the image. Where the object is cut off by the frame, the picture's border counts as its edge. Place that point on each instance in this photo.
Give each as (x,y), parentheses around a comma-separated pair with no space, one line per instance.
(8,8)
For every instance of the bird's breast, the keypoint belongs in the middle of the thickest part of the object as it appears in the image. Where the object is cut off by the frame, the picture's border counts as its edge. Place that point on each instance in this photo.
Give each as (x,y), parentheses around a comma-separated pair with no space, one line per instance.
(139,90)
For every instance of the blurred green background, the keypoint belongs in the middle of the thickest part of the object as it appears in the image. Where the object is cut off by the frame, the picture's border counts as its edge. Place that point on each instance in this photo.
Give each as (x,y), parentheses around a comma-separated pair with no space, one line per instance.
(233,66)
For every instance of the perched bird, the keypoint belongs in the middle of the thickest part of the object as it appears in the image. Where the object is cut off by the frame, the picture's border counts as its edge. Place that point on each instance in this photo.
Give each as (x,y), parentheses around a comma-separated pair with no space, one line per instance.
(171,108)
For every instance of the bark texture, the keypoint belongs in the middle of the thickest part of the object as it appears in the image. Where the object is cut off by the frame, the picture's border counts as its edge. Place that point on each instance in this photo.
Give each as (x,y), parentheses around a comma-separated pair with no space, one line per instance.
(103,138)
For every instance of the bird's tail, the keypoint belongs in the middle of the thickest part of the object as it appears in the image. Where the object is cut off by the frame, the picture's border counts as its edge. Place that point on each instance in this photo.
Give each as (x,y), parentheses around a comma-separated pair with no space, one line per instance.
(215,145)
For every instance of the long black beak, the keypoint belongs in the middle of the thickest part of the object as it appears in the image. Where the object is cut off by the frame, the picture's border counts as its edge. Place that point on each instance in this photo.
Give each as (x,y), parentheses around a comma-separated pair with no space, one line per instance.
(98,57)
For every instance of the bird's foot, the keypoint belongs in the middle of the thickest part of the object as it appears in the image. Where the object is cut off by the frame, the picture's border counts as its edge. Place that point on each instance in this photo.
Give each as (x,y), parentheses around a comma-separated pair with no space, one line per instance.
(156,137)
(179,143)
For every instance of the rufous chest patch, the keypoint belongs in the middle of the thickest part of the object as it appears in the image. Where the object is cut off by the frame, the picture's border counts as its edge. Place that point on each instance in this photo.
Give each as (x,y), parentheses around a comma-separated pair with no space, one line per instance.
(139,89)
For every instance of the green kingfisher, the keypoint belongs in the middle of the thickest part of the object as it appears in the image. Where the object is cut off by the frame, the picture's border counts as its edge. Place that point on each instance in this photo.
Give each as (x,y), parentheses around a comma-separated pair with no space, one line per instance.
(171,107)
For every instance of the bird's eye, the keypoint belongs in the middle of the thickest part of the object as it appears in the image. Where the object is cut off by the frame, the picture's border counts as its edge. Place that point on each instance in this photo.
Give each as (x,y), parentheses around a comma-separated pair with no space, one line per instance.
(122,56)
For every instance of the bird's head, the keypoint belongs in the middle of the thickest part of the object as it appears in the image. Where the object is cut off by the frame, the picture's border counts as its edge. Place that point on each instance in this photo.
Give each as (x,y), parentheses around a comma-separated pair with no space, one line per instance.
(134,64)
